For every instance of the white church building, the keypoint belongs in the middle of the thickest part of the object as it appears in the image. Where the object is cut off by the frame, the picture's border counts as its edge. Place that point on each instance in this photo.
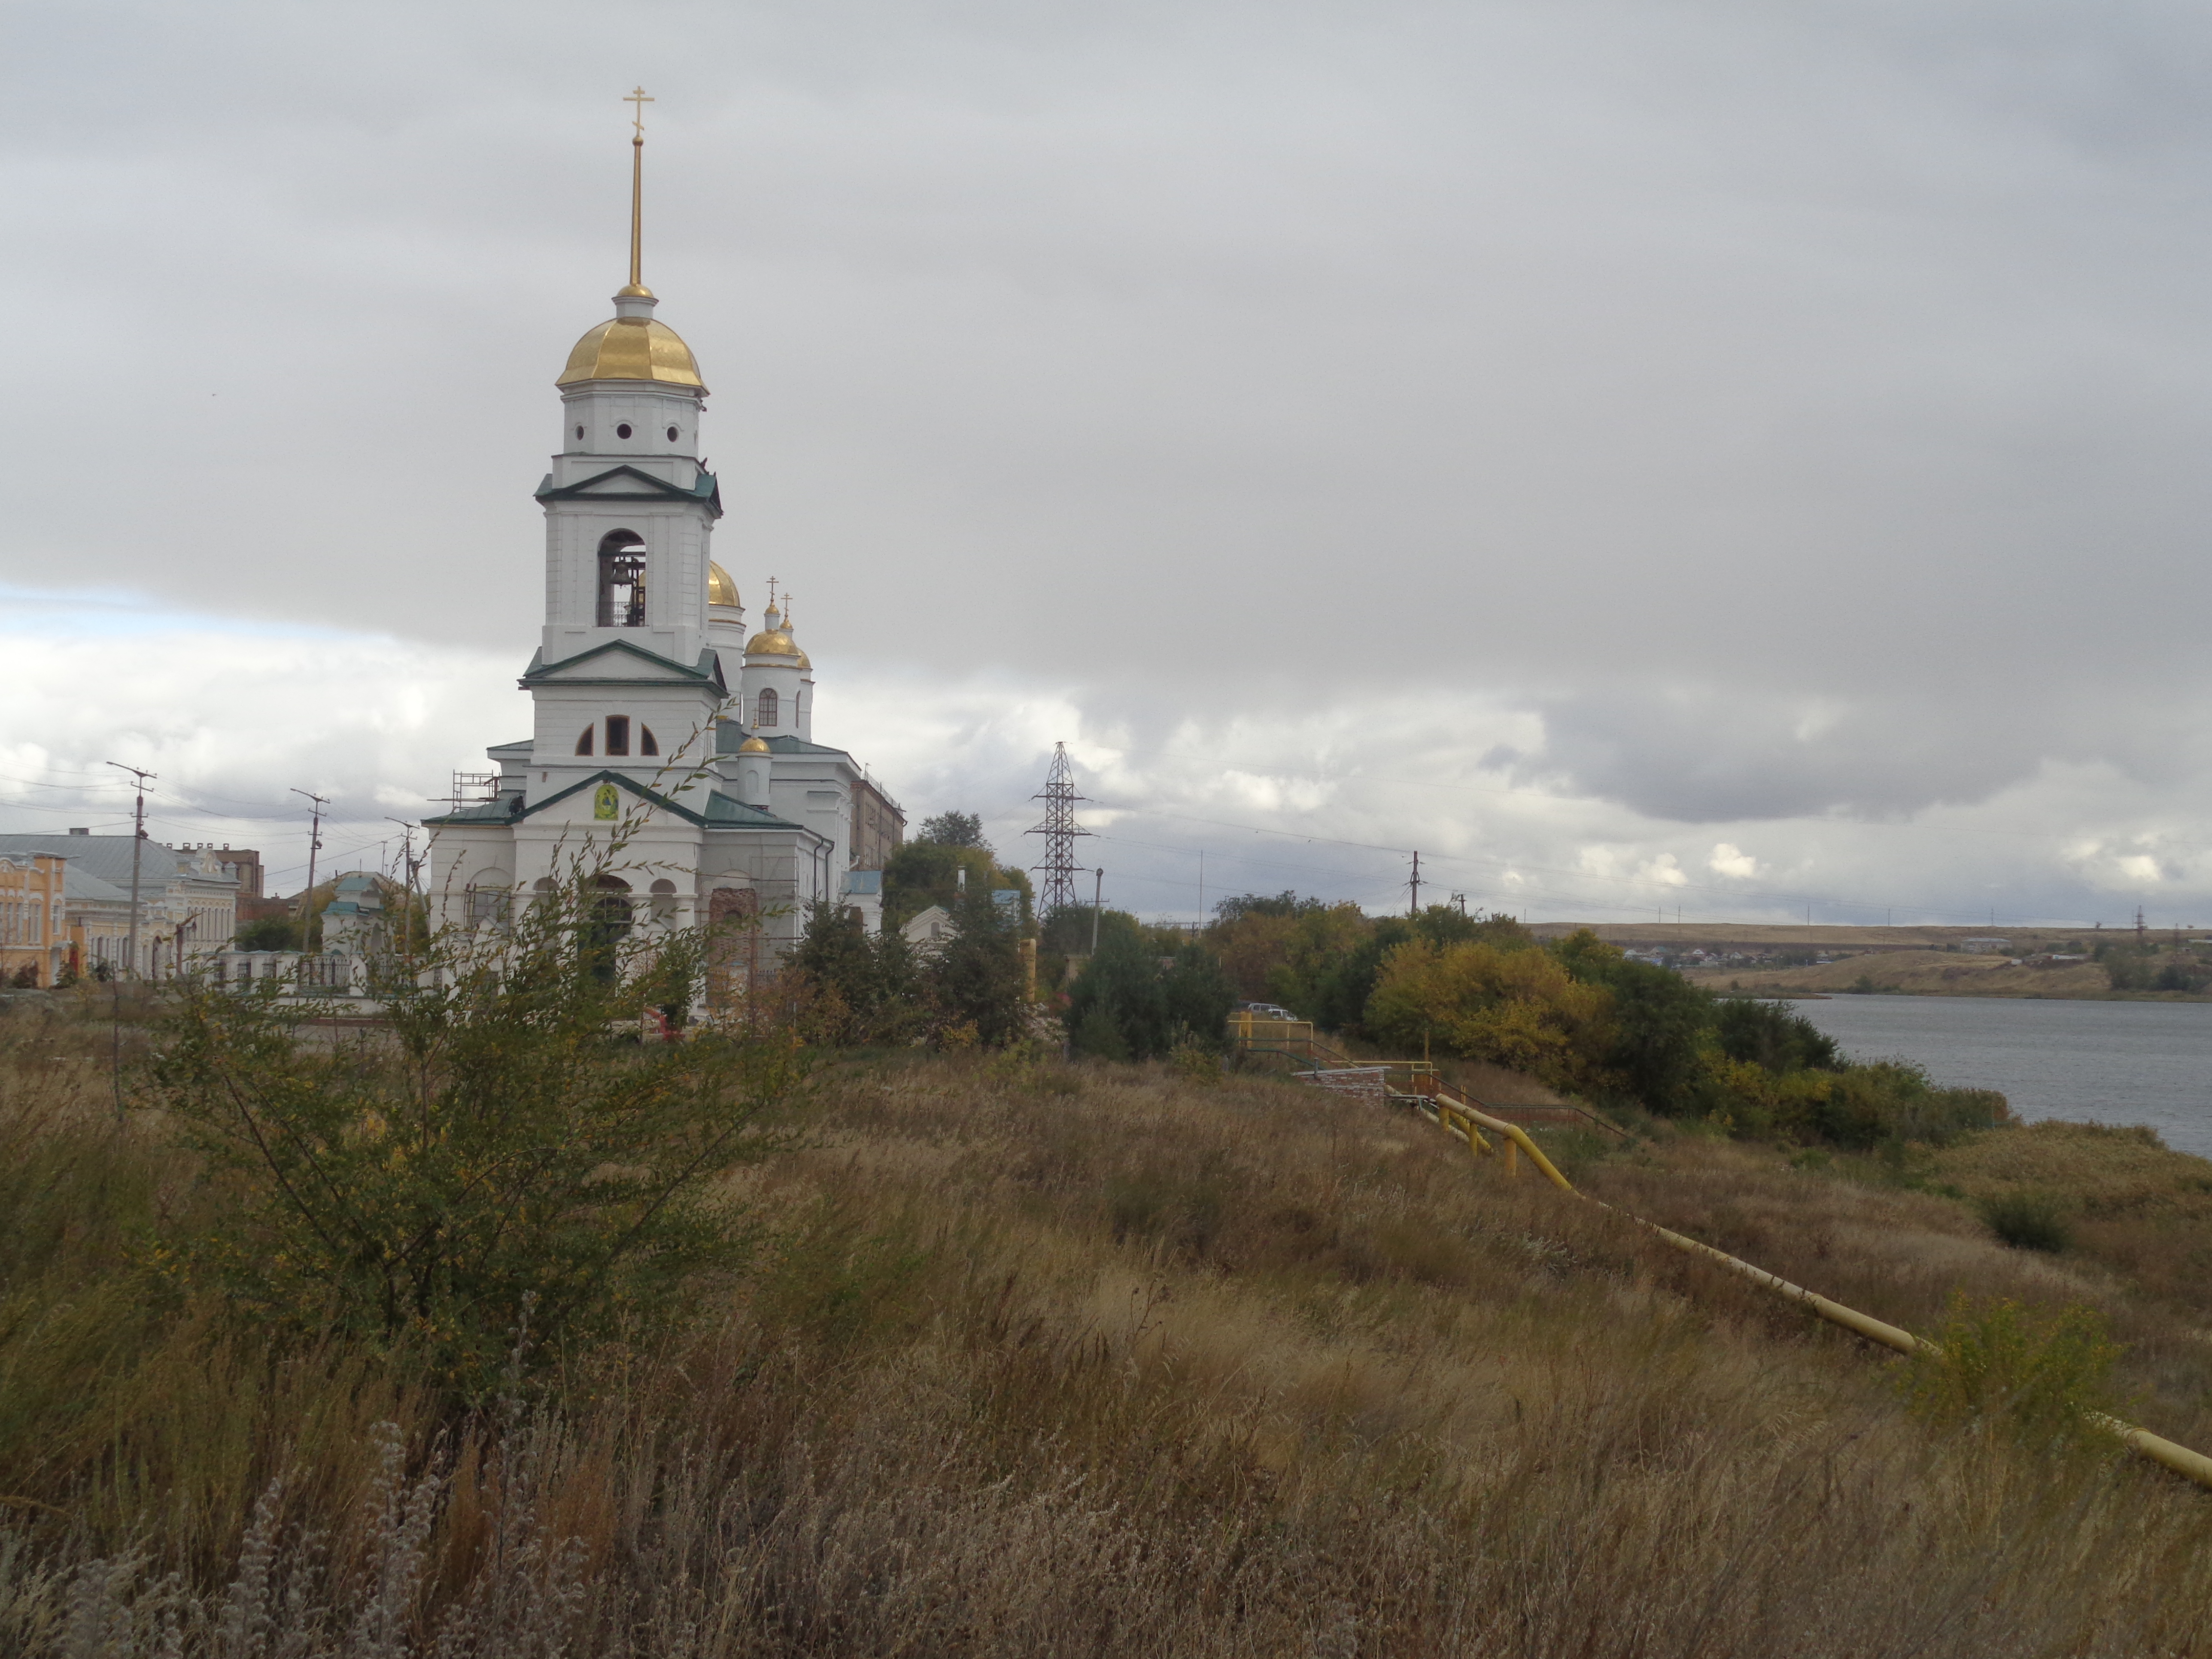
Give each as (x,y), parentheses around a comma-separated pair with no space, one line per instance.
(654,713)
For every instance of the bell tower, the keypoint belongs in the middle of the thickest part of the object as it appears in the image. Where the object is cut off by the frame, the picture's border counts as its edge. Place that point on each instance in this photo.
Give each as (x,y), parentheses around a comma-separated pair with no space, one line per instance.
(630,511)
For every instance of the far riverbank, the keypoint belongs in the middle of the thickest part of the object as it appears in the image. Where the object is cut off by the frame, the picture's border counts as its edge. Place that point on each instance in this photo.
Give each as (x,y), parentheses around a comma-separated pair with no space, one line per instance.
(2108,1061)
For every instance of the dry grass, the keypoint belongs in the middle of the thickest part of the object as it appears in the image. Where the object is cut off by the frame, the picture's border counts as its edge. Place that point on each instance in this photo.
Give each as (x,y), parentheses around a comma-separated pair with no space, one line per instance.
(2131,1206)
(1083,1362)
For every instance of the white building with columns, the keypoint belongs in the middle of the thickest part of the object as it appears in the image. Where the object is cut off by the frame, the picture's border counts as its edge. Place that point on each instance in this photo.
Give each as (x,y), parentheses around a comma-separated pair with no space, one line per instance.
(655,713)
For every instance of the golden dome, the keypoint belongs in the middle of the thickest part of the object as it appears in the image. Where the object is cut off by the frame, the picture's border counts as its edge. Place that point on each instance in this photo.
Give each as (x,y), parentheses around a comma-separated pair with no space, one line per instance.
(632,348)
(720,589)
(776,641)
(752,746)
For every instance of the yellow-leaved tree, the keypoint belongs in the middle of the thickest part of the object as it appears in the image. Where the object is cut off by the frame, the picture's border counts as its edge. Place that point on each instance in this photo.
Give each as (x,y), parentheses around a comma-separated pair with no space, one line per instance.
(1518,1008)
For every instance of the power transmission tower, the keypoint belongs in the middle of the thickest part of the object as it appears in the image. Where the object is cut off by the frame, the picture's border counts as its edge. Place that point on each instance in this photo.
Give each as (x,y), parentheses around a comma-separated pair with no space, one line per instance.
(1060,830)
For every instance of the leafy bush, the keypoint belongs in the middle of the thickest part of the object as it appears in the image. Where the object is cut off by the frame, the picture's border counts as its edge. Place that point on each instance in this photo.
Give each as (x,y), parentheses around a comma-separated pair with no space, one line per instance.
(1996,1364)
(1769,1034)
(1126,1004)
(974,985)
(1520,1008)
(505,1149)
(850,987)
(1659,1027)
(269,933)
(2028,1220)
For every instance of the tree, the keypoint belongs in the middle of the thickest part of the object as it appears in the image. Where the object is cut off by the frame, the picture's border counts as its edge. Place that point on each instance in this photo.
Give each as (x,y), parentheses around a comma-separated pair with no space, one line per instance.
(1768,1035)
(922,873)
(1285,903)
(953,829)
(509,1152)
(1661,1026)
(1115,1010)
(868,986)
(1197,996)
(1125,1006)
(1518,1008)
(975,982)
(269,933)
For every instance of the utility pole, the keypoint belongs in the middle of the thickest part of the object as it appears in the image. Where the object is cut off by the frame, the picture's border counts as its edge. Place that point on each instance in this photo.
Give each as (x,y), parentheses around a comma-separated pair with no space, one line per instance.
(2140,941)
(137,845)
(1201,891)
(314,845)
(1414,904)
(406,863)
(1097,903)
(130,965)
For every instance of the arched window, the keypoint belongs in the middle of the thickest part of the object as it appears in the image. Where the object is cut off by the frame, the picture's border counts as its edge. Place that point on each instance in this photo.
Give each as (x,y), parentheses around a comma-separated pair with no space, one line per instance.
(604,930)
(621,580)
(663,903)
(618,734)
(764,709)
(584,742)
(646,743)
(488,900)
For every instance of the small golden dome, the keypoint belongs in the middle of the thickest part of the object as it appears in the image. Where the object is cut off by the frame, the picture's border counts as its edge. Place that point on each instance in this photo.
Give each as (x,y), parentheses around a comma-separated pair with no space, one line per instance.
(720,589)
(632,348)
(776,641)
(752,746)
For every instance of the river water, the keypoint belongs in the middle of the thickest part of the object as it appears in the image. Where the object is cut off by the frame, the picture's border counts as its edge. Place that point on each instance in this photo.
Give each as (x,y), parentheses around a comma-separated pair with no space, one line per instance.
(2107,1063)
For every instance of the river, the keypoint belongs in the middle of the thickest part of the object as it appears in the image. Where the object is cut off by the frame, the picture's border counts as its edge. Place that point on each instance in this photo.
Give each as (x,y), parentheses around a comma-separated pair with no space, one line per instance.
(2107,1063)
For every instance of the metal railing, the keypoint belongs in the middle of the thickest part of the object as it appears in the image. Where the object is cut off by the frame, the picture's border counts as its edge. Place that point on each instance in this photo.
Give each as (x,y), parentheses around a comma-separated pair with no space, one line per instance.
(1460,1118)
(1296,1040)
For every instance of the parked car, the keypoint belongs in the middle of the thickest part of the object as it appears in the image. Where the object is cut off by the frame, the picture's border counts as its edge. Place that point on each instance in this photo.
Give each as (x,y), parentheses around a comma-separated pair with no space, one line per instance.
(1267,1011)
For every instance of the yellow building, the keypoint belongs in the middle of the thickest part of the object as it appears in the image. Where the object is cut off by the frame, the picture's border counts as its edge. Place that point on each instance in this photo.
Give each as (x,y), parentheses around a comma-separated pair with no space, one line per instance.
(34,938)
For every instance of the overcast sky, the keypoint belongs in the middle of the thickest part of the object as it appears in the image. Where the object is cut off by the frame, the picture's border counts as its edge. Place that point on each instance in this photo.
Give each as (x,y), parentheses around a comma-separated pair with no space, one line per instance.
(1731,456)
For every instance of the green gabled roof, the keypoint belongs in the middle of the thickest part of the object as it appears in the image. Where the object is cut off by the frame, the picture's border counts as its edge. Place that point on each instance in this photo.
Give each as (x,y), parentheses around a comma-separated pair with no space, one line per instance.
(707,671)
(708,488)
(718,811)
(501,811)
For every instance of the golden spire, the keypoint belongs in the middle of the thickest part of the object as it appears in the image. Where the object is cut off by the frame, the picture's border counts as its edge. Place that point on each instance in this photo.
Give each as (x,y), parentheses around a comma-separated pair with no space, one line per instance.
(637,194)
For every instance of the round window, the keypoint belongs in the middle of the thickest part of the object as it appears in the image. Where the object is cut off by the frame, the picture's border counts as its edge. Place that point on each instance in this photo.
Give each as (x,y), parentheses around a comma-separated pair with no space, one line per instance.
(580,432)
(671,434)
(622,431)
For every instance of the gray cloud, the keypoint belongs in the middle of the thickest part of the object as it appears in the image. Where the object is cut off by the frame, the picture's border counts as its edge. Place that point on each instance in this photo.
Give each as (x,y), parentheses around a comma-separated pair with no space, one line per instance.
(1844,365)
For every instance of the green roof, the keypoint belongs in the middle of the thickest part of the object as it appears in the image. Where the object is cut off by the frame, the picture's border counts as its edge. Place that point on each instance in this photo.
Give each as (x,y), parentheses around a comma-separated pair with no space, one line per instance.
(717,812)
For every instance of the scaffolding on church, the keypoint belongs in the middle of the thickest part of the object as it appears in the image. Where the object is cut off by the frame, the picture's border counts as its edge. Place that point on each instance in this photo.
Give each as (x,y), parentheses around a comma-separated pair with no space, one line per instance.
(1060,830)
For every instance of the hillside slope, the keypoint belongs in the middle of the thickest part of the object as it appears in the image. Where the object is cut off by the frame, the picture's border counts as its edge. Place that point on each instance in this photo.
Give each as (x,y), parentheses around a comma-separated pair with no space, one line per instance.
(1102,1360)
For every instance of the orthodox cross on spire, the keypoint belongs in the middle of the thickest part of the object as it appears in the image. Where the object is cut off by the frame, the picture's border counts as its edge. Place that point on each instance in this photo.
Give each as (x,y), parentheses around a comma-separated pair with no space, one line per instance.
(771,593)
(639,101)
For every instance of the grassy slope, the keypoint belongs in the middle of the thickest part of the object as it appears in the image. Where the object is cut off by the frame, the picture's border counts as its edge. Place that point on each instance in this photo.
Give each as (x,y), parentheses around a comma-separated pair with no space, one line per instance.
(1104,1361)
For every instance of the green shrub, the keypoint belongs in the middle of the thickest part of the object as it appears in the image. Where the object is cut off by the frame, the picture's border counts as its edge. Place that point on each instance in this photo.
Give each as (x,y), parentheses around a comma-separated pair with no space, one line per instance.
(508,1146)
(2028,1220)
(1996,1363)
